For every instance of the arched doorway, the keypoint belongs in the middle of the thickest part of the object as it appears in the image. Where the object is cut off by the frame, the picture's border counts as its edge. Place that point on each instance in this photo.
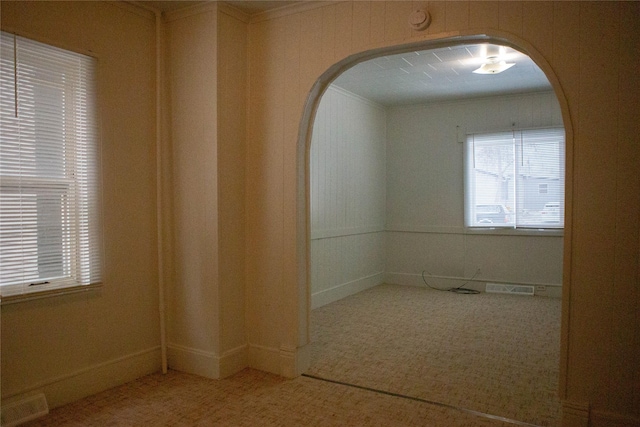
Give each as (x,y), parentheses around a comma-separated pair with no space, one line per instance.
(335,71)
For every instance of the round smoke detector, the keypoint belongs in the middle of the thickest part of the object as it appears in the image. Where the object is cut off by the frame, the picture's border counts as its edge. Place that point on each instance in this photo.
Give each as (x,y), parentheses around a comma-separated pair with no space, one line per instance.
(419,20)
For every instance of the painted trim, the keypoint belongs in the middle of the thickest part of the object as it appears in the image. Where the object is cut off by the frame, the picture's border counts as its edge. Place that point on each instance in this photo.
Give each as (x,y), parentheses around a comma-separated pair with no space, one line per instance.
(553,290)
(234,12)
(432,41)
(327,296)
(283,361)
(612,419)
(356,97)
(497,231)
(193,361)
(342,232)
(94,379)
(207,363)
(188,11)
(575,414)
(292,9)
(264,358)
(234,360)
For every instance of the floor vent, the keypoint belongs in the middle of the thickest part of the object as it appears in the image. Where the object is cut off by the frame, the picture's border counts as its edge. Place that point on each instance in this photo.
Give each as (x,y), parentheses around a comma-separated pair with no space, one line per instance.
(24,410)
(497,288)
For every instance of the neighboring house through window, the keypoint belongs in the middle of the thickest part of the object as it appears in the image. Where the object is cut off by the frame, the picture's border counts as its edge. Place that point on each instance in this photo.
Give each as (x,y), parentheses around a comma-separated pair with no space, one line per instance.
(49,192)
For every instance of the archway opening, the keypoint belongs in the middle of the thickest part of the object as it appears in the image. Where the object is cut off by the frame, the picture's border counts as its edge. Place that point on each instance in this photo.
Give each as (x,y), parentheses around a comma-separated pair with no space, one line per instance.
(421,218)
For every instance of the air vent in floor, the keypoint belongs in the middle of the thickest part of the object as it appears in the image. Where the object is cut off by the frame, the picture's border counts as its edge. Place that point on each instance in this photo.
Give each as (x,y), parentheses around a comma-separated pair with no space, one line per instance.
(21,411)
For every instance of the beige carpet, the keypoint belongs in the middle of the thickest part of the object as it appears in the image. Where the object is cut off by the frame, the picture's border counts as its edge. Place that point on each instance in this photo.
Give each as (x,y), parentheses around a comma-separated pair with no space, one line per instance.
(488,353)
(250,398)
(492,353)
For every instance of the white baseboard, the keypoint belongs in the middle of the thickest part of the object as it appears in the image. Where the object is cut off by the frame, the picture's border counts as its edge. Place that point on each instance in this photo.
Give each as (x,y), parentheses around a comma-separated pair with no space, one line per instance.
(327,296)
(288,363)
(205,363)
(94,379)
(233,361)
(264,358)
(193,361)
(610,419)
(445,282)
(575,414)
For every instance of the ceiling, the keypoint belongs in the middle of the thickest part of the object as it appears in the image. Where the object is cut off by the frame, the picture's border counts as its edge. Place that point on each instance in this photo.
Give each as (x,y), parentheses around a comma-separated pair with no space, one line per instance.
(441,74)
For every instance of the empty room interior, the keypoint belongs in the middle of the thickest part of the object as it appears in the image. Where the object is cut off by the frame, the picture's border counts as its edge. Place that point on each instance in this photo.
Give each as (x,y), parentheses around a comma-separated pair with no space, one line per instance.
(320,213)
(388,163)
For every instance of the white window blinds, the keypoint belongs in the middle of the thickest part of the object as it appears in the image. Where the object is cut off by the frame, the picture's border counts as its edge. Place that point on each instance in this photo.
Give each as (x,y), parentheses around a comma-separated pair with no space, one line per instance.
(49,198)
(515,179)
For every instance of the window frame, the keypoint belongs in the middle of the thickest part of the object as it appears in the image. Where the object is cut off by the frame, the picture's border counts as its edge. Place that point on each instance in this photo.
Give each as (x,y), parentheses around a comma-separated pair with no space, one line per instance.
(81,243)
(513,228)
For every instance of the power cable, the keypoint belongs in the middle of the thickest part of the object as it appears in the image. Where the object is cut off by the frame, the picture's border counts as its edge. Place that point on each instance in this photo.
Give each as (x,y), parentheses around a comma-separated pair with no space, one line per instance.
(459,289)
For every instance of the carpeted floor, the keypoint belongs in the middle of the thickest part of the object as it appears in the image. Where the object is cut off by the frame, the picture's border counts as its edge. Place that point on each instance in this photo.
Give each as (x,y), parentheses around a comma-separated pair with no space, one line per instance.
(449,354)
(492,353)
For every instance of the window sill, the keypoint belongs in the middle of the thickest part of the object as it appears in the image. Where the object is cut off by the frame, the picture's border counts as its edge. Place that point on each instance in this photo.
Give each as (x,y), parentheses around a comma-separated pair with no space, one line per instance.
(507,231)
(12,299)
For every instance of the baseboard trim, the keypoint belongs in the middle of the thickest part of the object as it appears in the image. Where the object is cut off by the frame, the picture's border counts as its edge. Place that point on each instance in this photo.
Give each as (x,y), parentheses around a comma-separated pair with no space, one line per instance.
(234,360)
(575,414)
(94,379)
(286,362)
(193,361)
(264,358)
(327,296)
(446,282)
(611,419)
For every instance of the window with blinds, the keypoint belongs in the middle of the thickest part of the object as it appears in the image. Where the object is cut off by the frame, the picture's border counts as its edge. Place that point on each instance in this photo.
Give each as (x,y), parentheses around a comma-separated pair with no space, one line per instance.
(515,179)
(49,169)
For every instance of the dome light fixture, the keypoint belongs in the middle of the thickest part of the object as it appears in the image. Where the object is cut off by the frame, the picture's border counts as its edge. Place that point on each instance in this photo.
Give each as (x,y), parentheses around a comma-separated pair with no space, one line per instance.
(494,63)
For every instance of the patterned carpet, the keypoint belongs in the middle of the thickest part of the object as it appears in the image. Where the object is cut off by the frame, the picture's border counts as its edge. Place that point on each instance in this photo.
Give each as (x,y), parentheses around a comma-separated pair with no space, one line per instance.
(489,353)
(492,353)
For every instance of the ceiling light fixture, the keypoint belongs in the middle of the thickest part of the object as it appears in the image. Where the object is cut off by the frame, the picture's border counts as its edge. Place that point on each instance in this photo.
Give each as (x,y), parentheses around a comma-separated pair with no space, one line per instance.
(494,63)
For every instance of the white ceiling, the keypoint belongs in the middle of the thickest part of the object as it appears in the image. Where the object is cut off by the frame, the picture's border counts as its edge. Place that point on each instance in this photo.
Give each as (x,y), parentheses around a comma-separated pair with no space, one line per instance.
(441,74)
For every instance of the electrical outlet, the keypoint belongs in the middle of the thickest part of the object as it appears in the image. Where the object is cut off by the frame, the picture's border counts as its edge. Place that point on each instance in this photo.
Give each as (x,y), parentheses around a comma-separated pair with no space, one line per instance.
(541,288)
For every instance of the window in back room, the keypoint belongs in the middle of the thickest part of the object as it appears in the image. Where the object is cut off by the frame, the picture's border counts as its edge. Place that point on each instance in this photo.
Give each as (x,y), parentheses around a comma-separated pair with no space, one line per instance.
(49,169)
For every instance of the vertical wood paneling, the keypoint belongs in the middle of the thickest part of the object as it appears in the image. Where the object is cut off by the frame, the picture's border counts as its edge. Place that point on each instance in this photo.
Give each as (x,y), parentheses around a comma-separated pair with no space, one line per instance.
(425,191)
(328,35)
(484,14)
(348,190)
(510,17)
(595,200)
(396,23)
(232,63)
(438,11)
(378,15)
(581,32)
(537,28)
(626,292)
(348,164)
(344,19)
(292,102)
(361,25)
(265,183)
(310,45)
(457,15)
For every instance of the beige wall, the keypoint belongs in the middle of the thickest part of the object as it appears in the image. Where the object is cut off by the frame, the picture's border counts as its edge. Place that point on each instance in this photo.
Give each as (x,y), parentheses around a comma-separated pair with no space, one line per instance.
(74,345)
(71,346)
(205,296)
(592,50)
